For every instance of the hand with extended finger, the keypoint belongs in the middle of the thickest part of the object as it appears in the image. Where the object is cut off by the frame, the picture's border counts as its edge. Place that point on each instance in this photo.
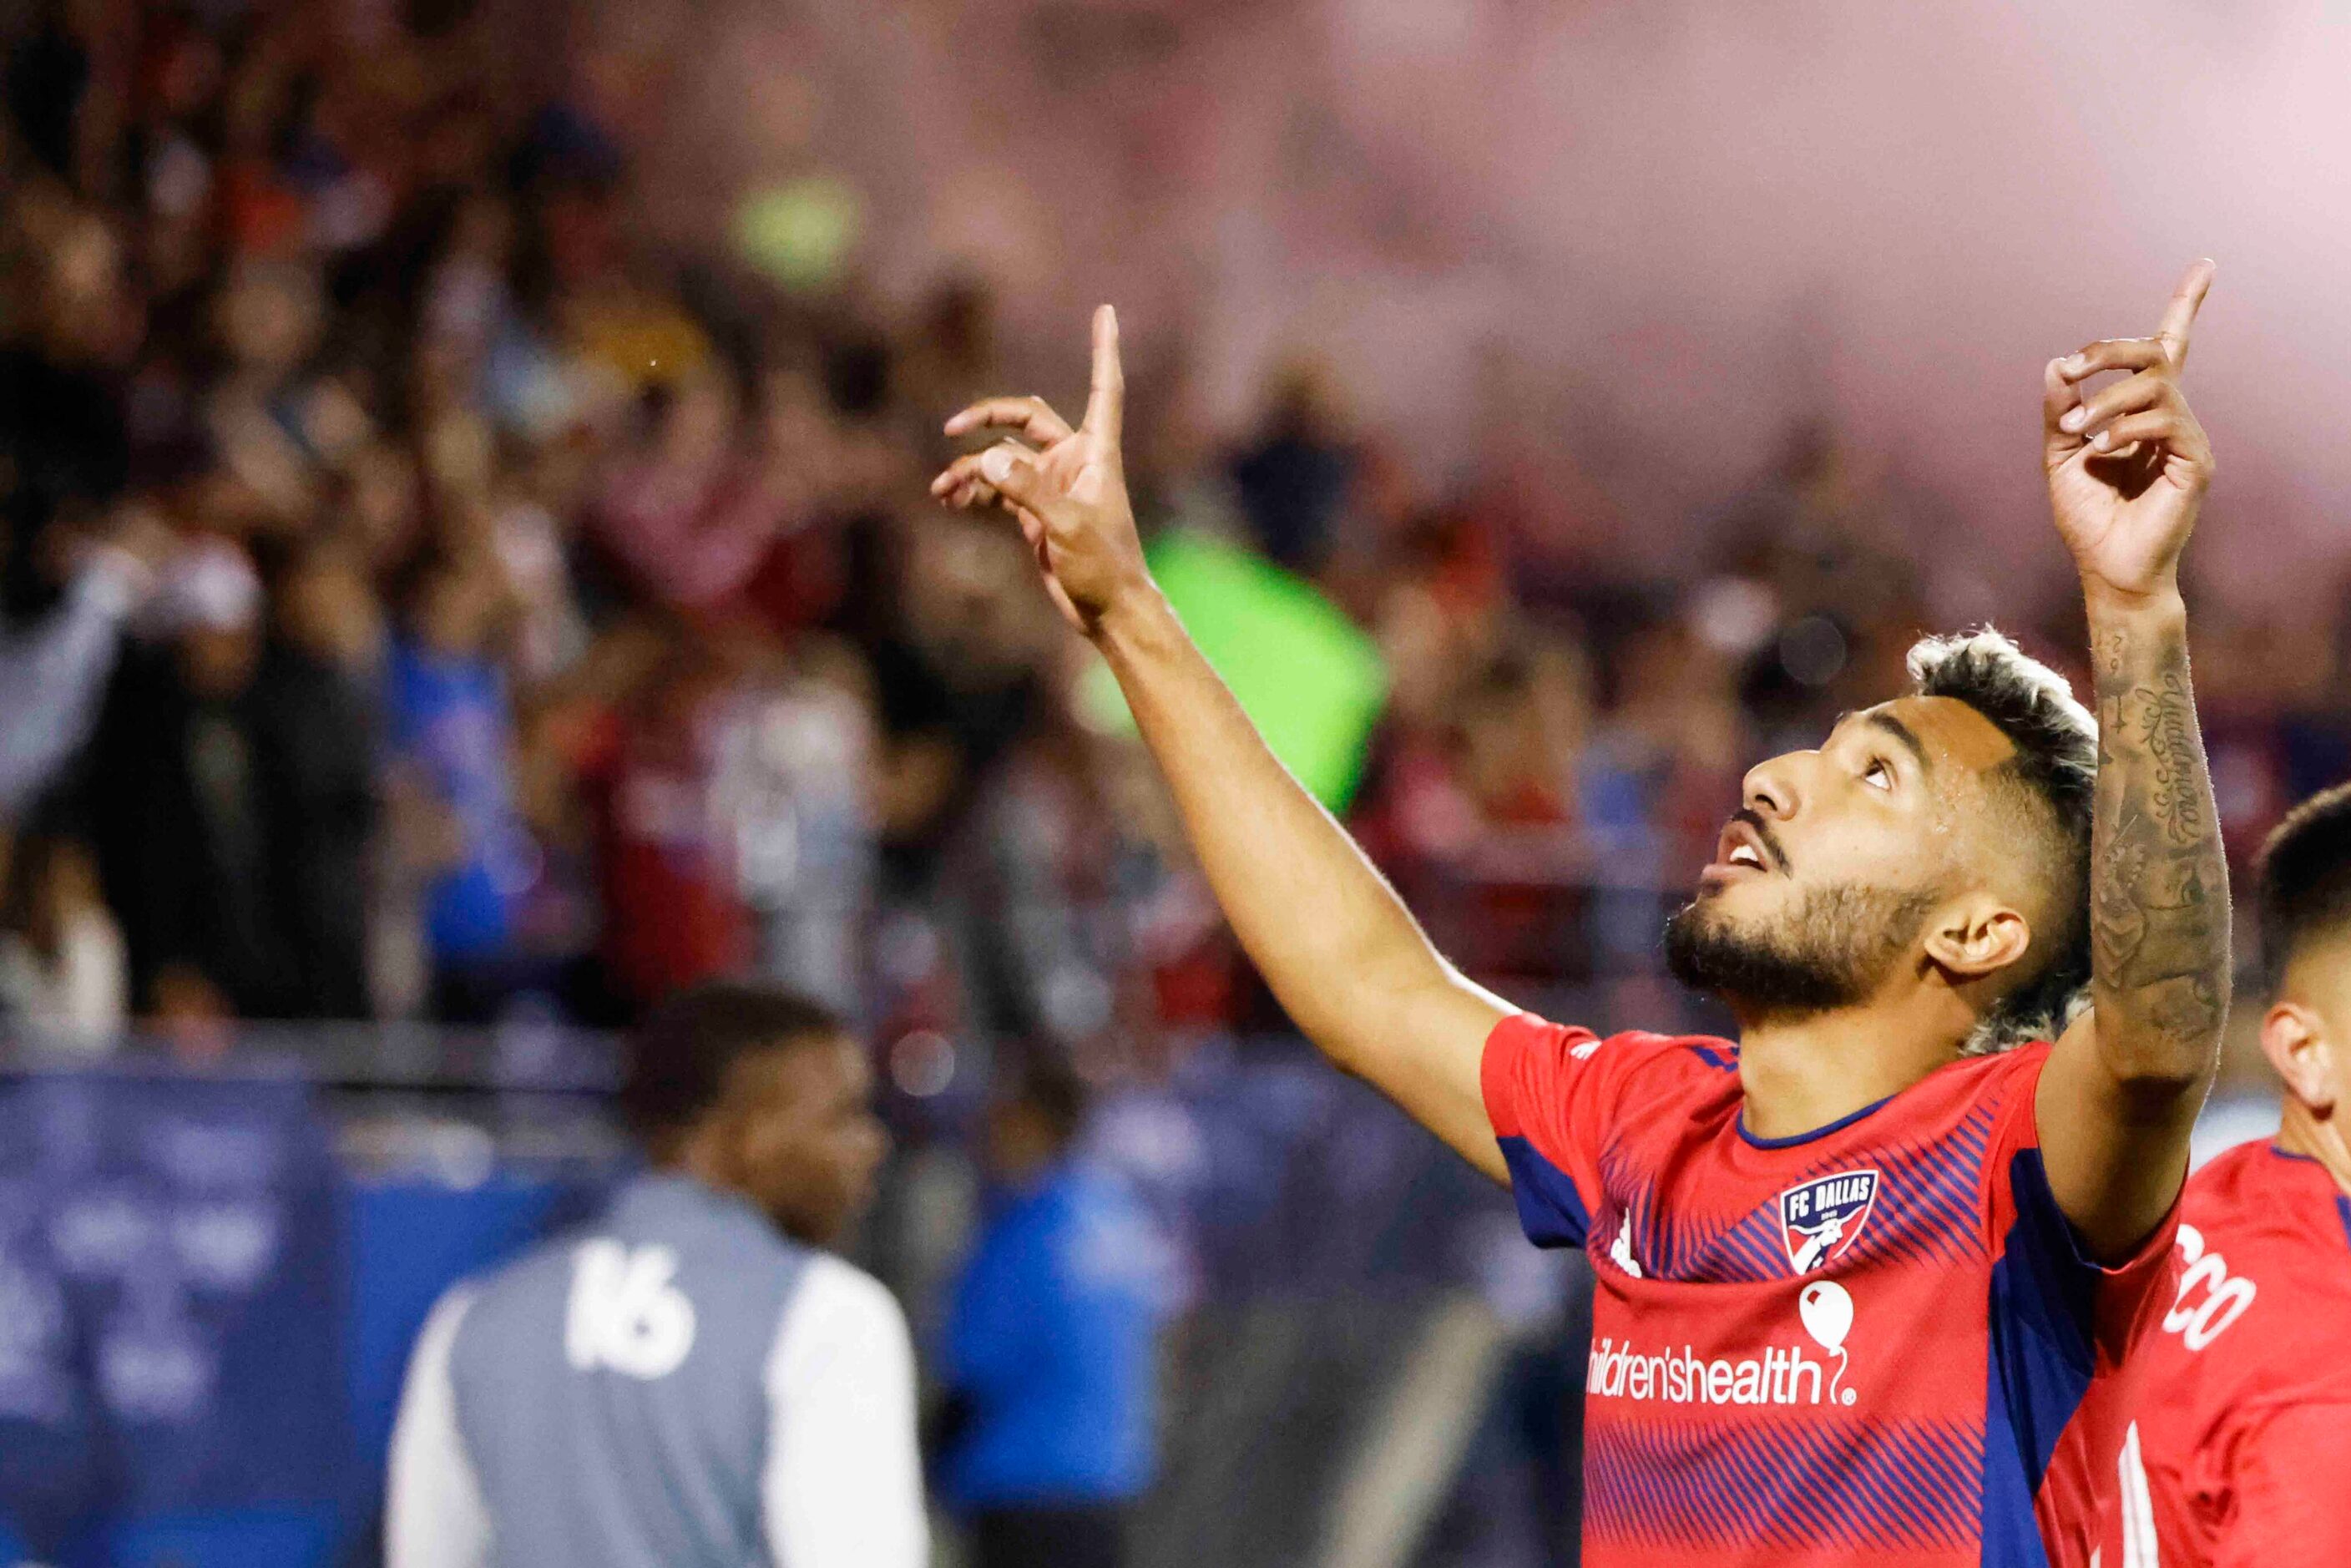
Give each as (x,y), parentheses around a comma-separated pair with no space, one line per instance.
(2128,464)
(1067,488)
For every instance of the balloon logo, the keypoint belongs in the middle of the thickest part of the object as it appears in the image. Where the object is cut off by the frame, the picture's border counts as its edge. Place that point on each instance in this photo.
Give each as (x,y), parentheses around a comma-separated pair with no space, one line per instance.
(1827,1312)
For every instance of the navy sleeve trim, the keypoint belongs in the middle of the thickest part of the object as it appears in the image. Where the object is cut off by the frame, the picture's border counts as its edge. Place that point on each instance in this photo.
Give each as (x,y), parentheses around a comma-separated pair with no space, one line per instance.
(1550,1211)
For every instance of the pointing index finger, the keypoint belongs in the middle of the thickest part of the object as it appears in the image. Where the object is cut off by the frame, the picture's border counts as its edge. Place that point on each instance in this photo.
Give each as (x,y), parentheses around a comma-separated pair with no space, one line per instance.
(1106,404)
(2180,314)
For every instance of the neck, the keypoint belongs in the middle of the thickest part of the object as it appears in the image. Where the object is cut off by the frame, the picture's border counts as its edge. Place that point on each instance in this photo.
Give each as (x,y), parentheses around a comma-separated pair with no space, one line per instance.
(2301,1132)
(701,1155)
(1803,1074)
(698,1161)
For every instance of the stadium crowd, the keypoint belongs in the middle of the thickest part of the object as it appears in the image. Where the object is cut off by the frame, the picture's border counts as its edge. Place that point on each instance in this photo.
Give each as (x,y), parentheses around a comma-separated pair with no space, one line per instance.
(441,603)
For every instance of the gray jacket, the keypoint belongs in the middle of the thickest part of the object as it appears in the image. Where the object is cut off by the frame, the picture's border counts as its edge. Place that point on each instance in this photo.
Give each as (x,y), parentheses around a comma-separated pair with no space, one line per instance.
(675,1386)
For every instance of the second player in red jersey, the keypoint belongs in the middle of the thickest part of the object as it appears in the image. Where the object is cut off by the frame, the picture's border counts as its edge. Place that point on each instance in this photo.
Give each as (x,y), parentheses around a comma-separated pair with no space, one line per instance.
(2238,1454)
(1863,1270)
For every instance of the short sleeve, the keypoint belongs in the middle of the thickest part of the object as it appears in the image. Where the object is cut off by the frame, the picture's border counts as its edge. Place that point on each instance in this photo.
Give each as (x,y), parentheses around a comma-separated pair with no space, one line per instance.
(1547,1089)
(842,1482)
(2111,1304)
(2060,1319)
(434,1516)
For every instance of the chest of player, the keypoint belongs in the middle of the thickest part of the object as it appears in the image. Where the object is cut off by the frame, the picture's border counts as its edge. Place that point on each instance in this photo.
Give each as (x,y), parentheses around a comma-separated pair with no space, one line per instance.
(1837,1281)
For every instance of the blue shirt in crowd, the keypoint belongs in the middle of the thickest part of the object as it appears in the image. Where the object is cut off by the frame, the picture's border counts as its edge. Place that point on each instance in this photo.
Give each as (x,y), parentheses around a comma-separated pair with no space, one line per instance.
(448,718)
(1052,1338)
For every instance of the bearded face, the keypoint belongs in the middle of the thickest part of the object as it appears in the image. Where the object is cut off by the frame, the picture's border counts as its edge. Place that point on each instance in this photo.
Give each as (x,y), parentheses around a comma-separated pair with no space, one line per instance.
(1835,948)
(1823,880)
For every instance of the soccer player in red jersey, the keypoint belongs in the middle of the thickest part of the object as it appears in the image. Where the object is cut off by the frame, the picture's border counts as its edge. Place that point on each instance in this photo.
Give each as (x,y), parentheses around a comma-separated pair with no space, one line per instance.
(2239,1452)
(1860,1270)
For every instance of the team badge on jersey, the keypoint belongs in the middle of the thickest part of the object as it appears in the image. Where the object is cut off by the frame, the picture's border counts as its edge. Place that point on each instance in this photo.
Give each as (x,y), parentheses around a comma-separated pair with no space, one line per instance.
(1820,1219)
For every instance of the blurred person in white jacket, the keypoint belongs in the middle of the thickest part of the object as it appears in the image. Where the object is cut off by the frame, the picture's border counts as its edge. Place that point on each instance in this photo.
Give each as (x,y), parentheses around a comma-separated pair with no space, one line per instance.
(690,1380)
(53,673)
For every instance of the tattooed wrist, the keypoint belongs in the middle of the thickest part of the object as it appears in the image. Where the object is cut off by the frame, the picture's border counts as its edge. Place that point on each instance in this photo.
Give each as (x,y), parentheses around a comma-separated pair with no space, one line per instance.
(2110,600)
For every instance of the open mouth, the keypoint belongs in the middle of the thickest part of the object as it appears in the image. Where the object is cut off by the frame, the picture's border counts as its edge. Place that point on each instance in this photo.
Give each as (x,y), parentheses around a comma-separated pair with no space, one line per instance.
(1740,848)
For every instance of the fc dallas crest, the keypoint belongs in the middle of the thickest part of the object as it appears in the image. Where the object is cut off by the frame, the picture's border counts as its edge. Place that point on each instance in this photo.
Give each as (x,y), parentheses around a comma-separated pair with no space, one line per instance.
(1820,1219)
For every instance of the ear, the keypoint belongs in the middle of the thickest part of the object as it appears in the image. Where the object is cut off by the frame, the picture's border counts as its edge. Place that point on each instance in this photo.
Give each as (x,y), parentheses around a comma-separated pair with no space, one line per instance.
(1977,937)
(722,1146)
(2295,1038)
(707,1148)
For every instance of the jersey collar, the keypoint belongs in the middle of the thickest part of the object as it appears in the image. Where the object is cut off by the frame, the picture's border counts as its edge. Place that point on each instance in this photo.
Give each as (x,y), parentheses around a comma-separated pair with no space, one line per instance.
(1792,1139)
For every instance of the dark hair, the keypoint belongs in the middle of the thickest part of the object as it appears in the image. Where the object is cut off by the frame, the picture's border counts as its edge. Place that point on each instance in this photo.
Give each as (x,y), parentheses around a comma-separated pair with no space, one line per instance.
(2304,877)
(1045,1085)
(2054,774)
(680,1055)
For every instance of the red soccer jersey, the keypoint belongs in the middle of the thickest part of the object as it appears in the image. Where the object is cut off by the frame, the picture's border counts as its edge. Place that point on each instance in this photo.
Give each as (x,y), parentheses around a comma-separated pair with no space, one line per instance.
(2239,1452)
(1857,1347)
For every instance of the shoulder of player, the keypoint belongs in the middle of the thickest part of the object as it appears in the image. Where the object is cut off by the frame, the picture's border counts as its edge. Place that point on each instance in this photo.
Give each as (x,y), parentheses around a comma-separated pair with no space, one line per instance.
(1616,1057)
(484,1309)
(723,1250)
(2262,1205)
(2021,1061)
(518,1275)
(2000,1079)
(845,1290)
(2262,1305)
(836,1310)
(436,1337)
(2217,1191)
(1678,1066)
(1698,1054)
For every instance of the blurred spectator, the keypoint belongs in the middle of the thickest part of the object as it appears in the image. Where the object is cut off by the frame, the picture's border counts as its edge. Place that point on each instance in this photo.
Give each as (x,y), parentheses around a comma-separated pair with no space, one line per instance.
(180,800)
(318,731)
(531,531)
(48,73)
(61,959)
(1067,871)
(958,665)
(675,911)
(798,785)
(734,799)
(822,473)
(1050,1355)
(1293,480)
(450,737)
(63,430)
(53,673)
(685,518)
(270,424)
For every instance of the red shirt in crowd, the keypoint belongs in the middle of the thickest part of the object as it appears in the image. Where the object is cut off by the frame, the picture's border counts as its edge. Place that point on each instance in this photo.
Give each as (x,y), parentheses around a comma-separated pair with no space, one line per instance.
(673,909)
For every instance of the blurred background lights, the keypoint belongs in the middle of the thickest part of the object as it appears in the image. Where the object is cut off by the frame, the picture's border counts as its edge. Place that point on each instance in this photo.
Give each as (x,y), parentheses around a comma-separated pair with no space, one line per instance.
(799,233)
(922,1063)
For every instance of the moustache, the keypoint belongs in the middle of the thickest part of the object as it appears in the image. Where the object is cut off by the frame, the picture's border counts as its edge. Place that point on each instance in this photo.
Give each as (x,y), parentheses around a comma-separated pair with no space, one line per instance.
(1770,840)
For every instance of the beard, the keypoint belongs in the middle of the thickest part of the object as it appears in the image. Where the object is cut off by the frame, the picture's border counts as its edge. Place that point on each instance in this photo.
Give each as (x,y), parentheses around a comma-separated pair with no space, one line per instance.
(1835,950)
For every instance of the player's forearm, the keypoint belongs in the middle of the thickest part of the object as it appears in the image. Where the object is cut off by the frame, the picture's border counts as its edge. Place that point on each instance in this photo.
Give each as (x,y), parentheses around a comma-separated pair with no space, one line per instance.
(2158,878)
(1330,935)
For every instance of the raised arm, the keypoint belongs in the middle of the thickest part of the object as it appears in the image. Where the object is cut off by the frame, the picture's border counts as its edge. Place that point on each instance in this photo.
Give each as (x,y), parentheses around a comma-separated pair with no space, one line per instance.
(1339,949)
(2128,468)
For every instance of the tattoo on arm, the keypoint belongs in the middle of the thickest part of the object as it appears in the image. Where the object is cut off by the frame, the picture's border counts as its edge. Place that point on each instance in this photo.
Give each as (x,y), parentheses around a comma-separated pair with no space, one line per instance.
(2158,878)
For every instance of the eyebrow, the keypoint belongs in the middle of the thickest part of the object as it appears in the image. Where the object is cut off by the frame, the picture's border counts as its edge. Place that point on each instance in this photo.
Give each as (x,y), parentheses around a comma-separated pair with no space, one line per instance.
(1903,733)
